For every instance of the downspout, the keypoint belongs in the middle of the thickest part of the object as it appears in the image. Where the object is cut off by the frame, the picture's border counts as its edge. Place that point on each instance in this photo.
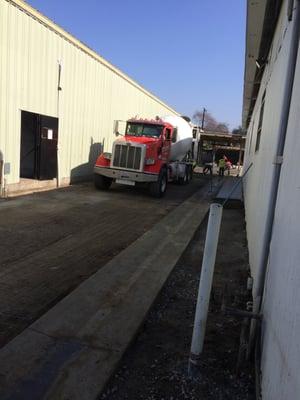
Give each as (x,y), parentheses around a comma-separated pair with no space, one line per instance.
(2,187)
(59,88)
(288,89)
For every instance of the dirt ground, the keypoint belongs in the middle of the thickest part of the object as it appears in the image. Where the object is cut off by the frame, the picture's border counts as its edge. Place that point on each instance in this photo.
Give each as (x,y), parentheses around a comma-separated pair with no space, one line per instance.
(155,366)
(52,241)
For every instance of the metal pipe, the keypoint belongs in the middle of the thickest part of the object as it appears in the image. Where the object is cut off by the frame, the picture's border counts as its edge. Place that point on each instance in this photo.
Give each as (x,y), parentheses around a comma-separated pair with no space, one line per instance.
(240,159)
(205,284)
(240,313)
(287,96)
(59,88)
(2,183)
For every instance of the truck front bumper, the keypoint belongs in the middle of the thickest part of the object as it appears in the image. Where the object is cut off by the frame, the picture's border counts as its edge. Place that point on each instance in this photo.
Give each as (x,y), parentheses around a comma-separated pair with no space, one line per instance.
(121,174)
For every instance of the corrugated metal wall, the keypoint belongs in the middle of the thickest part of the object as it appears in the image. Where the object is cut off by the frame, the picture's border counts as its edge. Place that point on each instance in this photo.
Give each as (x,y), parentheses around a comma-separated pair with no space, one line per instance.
(258,180)
(281,353)
(93,94)
(281,313)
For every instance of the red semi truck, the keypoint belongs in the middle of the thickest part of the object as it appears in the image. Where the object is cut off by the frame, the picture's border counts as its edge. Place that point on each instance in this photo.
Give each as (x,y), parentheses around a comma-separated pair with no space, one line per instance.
(152,152)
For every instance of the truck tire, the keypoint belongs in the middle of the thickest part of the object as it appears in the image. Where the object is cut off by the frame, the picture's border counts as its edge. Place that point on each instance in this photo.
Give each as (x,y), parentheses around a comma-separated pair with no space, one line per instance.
(102,182)
(190,173)
(158,188)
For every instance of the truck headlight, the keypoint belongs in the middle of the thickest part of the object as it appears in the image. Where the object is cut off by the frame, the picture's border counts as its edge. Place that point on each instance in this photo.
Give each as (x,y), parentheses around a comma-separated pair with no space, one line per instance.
(107,156)
(149,161)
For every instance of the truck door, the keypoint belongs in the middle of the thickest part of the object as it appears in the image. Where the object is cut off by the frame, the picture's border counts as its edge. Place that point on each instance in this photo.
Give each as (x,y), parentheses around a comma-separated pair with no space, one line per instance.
(167,135)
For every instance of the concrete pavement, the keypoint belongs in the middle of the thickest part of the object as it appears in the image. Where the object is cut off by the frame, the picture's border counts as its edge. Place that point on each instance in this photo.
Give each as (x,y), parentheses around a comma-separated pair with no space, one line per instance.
(53,241)
(71,351)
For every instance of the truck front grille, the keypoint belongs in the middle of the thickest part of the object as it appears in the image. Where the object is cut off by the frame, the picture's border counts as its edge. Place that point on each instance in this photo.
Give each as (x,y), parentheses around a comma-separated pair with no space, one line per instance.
(126,156)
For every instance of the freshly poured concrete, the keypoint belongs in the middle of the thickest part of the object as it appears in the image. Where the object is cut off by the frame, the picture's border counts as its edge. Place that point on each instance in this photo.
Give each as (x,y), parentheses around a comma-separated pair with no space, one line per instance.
(70,352)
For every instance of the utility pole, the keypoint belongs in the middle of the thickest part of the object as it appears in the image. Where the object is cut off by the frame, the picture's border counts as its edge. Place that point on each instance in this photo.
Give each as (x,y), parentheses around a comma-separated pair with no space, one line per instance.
(199,140)
(203,117)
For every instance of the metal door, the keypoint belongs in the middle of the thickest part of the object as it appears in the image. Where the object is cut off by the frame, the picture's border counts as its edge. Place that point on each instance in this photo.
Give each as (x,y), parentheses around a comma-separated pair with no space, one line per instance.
(38,158)
(47,157)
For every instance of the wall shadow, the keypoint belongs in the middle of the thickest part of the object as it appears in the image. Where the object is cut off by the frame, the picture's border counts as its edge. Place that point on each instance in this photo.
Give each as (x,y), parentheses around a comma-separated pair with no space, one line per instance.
(84,172)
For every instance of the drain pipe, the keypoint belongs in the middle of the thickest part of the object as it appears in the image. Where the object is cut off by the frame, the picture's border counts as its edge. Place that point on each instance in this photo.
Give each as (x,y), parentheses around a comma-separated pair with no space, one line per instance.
(288,89)
(59,88)
(2,187)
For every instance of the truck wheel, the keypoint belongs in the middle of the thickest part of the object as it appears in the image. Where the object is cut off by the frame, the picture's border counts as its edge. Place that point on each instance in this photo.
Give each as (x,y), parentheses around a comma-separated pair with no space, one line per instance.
(102,182)
(158,188)
(190,173)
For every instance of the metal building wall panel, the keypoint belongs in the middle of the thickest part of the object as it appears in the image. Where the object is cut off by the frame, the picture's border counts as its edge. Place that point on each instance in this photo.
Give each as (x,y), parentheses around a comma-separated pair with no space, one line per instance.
(281,351)
(281,313)
(93,95)
(258,180)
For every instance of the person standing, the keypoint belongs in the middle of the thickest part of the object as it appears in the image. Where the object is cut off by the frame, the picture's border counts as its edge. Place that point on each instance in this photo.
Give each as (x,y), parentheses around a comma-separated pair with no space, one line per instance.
(208,164)
(228,166)
(222,163)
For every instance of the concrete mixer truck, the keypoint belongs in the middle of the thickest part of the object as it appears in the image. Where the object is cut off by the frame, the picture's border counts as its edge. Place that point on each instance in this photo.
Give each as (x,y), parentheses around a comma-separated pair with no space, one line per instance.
(152,152)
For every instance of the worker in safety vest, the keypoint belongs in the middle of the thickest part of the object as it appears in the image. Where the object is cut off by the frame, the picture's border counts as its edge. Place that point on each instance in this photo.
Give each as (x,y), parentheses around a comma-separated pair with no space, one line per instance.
(222,163)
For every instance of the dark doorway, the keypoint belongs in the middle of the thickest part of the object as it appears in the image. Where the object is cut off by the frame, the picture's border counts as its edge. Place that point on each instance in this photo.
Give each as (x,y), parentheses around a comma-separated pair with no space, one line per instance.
(39,134)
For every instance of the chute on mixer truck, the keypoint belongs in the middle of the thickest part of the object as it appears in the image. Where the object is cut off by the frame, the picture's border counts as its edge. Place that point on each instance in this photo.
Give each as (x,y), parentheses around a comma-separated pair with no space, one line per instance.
(152,152)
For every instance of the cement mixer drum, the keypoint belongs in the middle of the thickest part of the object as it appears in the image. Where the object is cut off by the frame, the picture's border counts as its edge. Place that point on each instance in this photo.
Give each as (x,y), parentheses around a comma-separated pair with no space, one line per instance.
(184,137)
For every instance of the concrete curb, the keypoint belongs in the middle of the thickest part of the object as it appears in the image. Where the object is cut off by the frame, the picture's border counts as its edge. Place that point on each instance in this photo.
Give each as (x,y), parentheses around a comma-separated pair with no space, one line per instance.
(72,350)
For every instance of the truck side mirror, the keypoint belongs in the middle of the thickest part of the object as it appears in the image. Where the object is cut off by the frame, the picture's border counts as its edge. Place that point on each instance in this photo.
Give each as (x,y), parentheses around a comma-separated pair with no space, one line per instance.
(174,137)
(168,134)
(116,128)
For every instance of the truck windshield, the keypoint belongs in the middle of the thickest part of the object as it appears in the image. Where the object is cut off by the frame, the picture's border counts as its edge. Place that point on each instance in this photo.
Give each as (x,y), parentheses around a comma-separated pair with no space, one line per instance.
(136,129)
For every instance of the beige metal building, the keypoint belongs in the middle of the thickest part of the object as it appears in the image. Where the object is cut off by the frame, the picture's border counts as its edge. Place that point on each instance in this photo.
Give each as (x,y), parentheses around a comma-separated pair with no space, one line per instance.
(58,100)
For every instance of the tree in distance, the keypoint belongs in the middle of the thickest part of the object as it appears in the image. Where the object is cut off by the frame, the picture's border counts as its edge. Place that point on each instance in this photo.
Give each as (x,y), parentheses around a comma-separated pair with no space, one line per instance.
(210,123)
(238,131)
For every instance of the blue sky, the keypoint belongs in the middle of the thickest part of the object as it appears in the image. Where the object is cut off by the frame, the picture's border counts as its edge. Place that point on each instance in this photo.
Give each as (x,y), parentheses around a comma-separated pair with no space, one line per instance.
(189,53)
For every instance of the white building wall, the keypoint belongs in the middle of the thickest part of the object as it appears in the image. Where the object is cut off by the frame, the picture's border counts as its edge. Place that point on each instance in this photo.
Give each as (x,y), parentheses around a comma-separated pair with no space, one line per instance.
(281,302)
(281,343)
(257,183)
(93,94)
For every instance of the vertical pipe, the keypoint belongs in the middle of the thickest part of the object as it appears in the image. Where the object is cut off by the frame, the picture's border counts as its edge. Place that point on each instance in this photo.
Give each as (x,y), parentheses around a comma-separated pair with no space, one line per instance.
(58,163)
(205,284)
(240,159)
(1,174)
